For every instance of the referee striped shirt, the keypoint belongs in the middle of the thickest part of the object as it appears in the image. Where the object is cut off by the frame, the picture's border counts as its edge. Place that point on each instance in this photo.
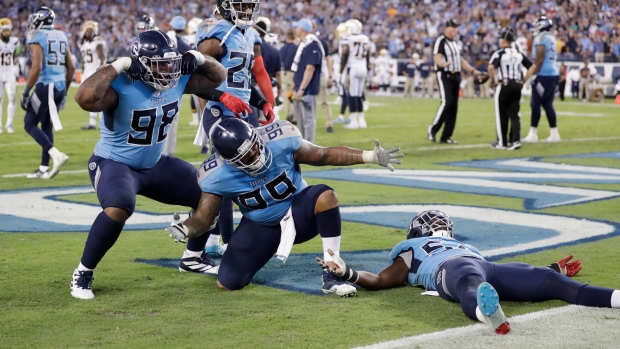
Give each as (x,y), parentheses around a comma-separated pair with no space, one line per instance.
(509,63)
(450,51)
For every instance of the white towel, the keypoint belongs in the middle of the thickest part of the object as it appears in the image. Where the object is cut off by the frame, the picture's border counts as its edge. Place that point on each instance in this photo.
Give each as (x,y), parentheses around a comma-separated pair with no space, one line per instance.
(53,109)
(309,39)
(430,293)
(201,136)
(287,225)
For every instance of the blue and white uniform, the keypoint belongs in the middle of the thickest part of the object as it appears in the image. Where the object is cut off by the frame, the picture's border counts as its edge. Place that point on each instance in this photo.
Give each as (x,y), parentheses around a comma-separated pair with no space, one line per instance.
(237,58)
(135,132)
(54,44)
(426,255)
(266,198)
(548,67)
(545,83)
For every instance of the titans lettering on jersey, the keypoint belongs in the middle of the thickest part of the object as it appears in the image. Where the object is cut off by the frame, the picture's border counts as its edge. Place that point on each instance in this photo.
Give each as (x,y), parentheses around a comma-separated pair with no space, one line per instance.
(548,67)
(266,198)
(428,255)
(238,57)
(134,133)
(54,46)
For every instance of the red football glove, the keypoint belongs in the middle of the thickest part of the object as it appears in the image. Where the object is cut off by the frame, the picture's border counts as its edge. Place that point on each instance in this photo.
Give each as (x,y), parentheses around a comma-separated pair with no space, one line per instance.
(564,267)
(235,104)
(269,114)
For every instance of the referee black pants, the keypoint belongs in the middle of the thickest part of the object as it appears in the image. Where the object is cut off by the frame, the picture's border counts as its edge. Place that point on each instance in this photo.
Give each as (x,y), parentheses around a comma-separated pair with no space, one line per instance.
(507,98)
(449,85)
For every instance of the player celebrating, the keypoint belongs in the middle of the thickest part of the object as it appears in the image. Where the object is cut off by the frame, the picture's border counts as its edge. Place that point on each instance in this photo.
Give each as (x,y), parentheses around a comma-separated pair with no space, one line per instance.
(259,169)
(141,96)
(355,56)
(50,76)
(8,72)
(93,50)
(432,258)
(231,41)
(383,67)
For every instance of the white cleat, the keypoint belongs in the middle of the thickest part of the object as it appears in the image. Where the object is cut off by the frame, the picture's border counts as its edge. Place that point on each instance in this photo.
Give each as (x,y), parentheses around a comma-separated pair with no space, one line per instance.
(9,129)
(362,122)
(488,303)
(39,174)
(59,159)
(81,284)
(366,105)
(531,138)
(337,286)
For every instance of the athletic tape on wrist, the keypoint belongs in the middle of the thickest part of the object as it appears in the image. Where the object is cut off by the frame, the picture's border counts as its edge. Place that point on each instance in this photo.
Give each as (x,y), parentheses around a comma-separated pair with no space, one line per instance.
(368,156)
(121,64)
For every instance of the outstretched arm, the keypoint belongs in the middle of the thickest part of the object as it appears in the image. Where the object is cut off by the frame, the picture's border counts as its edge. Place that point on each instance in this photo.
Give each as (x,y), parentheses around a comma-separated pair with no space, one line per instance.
(312,154)
(393,276)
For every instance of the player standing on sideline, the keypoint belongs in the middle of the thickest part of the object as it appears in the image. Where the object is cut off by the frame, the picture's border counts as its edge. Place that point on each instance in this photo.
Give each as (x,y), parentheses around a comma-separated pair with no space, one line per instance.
(9,70)
(178,24)
(93,50)
(448,64)
(433,259)
(232,42)
(140,97)
(342,33)
(259,169)
(356,56)
(547,78)
(506,73)
(50,76)
(383,69)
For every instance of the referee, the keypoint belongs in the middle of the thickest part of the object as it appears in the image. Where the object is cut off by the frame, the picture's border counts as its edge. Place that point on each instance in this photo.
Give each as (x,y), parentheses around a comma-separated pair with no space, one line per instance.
(506,73)
(448,64)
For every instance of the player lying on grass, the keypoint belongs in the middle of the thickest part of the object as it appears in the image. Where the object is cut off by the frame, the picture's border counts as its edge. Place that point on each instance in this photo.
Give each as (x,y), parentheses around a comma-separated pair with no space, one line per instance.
(432,258)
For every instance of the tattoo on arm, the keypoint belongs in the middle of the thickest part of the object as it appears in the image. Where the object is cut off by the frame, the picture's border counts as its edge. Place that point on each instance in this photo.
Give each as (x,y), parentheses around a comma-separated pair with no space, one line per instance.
(213,70)
(208,209)
(311,154)
(99,82)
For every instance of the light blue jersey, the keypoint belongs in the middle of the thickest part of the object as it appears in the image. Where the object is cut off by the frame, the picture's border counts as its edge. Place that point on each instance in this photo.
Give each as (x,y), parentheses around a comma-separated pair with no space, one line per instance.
(135,132)
(548,67)
(54,45)
(266,198)
(238,57)
(428,255)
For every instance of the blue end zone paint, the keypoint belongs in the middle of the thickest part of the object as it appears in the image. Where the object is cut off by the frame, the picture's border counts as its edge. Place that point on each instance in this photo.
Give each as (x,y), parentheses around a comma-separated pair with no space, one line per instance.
(300,273)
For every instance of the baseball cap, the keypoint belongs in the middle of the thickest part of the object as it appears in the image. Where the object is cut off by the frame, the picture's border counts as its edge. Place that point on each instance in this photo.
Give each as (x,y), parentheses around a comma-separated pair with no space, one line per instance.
(452,23)
(178,23)
(304,24)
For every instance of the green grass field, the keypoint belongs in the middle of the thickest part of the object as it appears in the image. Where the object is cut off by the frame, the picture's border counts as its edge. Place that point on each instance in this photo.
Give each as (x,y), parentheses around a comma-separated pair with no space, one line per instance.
(139,305)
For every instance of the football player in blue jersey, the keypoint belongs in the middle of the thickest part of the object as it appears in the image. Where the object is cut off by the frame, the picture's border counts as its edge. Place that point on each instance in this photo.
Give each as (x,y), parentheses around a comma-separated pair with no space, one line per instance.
(231,41)
(50,76)
(433,259)
(259,169)
(139,98)
(546,81)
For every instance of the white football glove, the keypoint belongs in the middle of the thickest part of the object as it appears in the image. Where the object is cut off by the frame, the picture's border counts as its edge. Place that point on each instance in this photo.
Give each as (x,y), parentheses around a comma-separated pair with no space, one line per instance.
(383,157)
(177,230)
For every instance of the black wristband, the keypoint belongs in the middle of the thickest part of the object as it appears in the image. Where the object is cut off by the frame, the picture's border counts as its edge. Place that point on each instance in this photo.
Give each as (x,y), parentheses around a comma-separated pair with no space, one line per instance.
(555,267)
(351,275)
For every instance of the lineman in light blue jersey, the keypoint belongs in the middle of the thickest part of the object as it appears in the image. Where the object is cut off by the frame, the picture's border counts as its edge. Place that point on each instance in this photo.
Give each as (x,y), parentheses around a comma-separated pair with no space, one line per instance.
(231,40)
(139,98)
(546,81)
(433,259)
(259,169)
(50,75)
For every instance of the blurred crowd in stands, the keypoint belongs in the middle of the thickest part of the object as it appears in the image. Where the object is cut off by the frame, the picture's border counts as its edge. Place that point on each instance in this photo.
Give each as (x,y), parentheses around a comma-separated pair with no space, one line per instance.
(587,28)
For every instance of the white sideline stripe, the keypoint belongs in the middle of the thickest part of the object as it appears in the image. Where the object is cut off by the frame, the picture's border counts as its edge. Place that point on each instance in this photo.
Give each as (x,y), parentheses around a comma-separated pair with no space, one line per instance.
(486,145)
(569,326)
(17,175)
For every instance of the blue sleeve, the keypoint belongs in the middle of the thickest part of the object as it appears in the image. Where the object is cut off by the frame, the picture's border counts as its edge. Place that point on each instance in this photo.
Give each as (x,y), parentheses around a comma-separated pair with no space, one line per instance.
(218,32)
(398,249)
(313,52)
(257,39)
(38,38)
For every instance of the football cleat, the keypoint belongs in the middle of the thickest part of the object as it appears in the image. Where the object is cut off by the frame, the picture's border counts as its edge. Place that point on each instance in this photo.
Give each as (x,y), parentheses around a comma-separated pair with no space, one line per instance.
(81,284)
(362,121)
(429,133)
(202,265)
(488,303)
(449,141)
(59,159)
(496,145)
(9,129)
(365,106)
(530,138)
(89,127)
(39,174)
(216,251)
(333,284)
(514,145)
(339,120)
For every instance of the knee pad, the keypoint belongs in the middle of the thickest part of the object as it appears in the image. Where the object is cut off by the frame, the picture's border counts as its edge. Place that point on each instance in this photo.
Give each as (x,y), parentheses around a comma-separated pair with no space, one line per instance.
(122,199)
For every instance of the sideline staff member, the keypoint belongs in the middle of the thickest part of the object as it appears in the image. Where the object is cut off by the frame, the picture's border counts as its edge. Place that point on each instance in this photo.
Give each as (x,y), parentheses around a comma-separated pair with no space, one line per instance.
(506,73)
(448,64)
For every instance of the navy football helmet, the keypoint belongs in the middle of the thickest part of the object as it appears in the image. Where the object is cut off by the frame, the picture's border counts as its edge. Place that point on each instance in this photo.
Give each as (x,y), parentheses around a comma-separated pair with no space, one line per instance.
(145,22)
(542,24)
(160,56)
(240,146)
(431,223)
(43,17)
(243,13)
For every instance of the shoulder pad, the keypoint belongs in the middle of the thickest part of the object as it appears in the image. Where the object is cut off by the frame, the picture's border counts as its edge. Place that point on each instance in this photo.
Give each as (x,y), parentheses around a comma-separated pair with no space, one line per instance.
(209,24)
(209,166)
(278,130)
